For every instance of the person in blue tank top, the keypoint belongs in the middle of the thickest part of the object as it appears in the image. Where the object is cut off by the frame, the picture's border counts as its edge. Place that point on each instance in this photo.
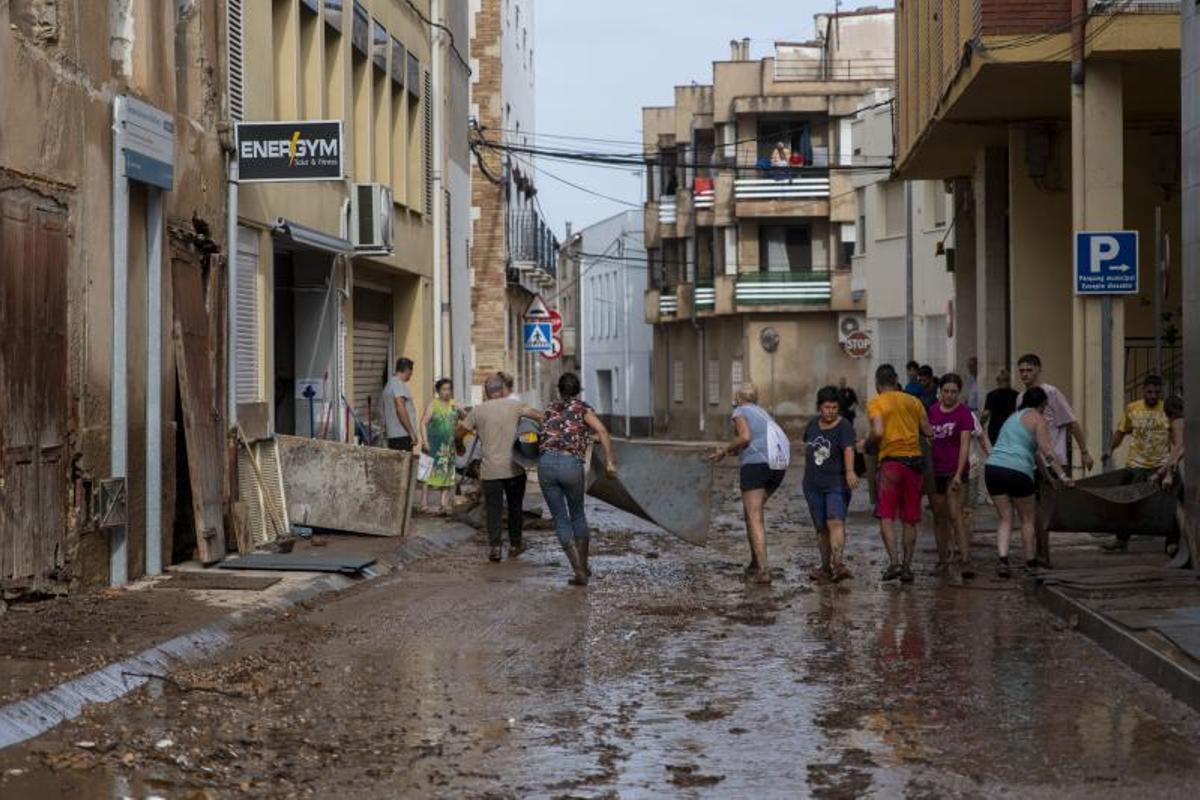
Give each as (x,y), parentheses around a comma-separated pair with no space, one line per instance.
(1010,471)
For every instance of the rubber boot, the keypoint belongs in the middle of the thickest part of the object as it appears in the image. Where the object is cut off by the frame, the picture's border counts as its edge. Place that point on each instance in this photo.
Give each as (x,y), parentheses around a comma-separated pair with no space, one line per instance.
(580,578)
(582,545)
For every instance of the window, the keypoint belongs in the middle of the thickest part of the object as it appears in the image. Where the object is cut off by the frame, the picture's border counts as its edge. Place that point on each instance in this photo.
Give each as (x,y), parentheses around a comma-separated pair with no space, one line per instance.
(713,381)
(893,209)
(677,381)
(736,376)
(785,248)
(936,342)
(860,244)
(937,204)
(891,346)
(796,136)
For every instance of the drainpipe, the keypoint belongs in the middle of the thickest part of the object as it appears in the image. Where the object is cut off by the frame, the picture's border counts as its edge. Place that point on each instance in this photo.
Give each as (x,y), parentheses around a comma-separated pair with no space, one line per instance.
(439,210)
(231,279)
(1078,184)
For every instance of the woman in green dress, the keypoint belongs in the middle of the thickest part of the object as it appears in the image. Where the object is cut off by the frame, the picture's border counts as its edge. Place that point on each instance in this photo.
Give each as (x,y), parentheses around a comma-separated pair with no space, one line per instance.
(441,420)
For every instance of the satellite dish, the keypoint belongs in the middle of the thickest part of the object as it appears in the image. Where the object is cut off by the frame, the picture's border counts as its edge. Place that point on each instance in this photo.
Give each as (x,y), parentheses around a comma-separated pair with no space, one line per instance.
(769,339)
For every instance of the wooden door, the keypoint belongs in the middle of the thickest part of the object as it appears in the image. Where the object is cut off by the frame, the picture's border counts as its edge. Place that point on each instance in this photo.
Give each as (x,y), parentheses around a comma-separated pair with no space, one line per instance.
(33,390)
(201,416)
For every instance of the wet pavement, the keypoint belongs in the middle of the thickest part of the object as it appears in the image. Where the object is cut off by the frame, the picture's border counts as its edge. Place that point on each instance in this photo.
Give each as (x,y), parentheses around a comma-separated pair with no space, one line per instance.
(668,676)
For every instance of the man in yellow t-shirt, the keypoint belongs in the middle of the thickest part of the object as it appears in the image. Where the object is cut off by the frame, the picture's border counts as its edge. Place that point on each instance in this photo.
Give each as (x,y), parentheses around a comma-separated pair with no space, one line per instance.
(1149,429)
(898,422)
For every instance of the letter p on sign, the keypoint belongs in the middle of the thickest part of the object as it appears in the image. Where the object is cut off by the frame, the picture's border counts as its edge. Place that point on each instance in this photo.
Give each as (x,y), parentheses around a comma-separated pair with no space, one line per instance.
(1103,249)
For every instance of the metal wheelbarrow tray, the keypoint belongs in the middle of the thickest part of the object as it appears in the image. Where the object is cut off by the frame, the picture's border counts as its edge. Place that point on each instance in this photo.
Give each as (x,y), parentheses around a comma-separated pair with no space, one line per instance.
(1108,503)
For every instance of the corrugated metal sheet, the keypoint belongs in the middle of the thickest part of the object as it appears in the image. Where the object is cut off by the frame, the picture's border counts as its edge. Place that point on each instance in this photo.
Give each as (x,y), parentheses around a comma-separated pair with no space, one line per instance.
(33,389)
(372,350)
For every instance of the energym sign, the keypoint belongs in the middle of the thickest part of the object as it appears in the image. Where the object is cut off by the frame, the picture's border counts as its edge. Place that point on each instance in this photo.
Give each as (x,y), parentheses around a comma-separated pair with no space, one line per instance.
(289,151)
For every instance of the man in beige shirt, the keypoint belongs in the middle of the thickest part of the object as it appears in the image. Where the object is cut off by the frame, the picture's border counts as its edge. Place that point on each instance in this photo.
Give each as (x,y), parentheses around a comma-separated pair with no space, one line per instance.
(495,423)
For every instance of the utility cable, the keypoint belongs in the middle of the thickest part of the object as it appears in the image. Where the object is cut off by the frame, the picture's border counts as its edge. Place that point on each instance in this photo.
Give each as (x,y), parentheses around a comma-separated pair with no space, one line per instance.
(449,33)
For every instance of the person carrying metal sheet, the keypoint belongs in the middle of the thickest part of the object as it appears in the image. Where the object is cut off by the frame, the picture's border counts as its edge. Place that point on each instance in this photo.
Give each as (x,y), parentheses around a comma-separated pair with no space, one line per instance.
(763,452)
(567,432)
(1149,430)
(494,421)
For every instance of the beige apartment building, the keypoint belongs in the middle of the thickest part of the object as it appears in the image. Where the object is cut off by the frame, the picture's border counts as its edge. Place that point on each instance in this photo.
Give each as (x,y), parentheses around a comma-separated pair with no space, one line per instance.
(319,301)
(750,225)
(1051,118)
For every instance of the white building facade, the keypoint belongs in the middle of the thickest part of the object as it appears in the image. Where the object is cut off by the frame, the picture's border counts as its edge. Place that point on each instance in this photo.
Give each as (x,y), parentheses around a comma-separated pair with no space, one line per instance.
(618,344)
(879,263)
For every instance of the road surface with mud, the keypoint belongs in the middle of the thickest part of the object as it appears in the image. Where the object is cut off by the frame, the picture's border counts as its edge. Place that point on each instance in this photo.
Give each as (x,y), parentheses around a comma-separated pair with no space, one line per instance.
(668,676)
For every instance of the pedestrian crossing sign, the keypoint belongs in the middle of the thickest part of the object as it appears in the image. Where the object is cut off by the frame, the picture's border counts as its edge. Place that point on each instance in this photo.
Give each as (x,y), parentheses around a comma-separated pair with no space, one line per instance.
(539,337)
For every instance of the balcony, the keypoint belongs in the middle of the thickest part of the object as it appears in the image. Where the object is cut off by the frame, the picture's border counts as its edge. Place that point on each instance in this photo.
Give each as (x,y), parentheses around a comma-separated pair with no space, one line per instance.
(532,248)
(781,184)
(668,210)
(668,305)
(705,194)
(783,288)
(705,297)
(823,69)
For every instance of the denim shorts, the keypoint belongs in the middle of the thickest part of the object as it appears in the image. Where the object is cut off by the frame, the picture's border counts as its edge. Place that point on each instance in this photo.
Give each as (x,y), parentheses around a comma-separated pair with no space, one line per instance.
(827,504)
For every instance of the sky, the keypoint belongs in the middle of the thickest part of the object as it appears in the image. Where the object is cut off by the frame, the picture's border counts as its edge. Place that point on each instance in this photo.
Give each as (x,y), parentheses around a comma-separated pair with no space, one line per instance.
(598,63)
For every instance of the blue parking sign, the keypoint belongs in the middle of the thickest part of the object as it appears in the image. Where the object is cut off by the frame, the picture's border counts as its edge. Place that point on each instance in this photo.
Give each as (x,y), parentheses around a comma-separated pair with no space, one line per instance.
(539,337)
(1106,262)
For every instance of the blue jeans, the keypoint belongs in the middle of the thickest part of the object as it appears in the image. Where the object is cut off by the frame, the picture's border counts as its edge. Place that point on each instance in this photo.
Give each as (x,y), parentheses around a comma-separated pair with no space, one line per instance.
(562,480)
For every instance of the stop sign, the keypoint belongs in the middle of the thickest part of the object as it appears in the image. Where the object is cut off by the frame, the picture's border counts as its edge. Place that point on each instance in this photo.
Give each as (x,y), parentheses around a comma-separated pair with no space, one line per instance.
(858,344)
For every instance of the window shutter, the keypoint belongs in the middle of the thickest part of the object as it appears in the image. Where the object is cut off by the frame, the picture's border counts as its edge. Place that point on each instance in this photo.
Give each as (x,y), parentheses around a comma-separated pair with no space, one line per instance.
(246,319)
(235,52)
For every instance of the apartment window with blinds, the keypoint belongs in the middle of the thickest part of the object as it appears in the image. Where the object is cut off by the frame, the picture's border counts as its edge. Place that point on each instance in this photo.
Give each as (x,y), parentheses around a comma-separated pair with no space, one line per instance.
(936,343)
(893,209)
(736,376)
(890,342)
(713,382)
(937,204)
(677,381)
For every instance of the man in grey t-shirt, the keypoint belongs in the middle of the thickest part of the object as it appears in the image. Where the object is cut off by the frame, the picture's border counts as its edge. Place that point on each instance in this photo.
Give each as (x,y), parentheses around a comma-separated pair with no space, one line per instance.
(399,411)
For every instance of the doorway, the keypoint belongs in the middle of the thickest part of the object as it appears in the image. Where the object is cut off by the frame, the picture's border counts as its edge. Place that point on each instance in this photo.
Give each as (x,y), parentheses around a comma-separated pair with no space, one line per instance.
(305,380)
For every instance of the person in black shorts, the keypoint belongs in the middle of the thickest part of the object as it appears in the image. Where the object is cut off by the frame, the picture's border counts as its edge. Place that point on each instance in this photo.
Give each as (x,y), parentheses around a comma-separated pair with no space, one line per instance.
(752,445)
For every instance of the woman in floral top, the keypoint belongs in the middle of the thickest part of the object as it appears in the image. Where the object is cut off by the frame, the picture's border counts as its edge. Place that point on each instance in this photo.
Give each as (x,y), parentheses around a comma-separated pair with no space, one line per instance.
(566,433)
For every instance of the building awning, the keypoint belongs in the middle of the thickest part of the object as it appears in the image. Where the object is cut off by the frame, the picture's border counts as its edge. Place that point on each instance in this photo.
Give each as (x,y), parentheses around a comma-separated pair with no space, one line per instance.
(298,235)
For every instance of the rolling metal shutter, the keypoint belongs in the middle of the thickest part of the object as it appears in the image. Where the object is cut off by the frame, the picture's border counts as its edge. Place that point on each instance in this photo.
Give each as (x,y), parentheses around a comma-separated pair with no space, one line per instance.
(372,351)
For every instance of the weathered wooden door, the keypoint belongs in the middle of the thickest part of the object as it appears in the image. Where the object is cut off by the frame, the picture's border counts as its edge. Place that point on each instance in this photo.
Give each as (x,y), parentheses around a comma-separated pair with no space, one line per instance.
(201,418)
(33,390)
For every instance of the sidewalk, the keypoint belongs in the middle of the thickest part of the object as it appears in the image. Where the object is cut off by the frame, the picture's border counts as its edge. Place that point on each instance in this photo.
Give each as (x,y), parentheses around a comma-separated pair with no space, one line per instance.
(1142,612)
(60,655)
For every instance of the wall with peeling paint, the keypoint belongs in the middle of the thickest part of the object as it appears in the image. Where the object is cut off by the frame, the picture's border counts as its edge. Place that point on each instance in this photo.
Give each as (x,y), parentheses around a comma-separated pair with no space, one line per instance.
(61,64)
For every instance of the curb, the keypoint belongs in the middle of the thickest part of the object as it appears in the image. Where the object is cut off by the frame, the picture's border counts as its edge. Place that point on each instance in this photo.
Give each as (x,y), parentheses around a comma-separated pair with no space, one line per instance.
(1179,679)
(26,719)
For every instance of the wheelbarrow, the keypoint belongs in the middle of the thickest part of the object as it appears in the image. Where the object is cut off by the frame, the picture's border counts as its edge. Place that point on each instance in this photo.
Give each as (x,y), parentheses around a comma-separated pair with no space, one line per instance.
(1113,502)
(670,485)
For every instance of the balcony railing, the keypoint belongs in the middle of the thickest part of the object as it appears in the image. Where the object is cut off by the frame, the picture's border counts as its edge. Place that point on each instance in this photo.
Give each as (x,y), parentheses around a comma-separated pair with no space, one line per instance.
(1133,6)
(782,183)
(705,297)
(704,194)
(668,210)
(531,243)
(783,288)
(853,69)
(668,304)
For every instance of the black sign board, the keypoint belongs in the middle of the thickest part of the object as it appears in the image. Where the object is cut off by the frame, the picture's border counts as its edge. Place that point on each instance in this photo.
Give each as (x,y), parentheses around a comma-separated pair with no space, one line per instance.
(290,151)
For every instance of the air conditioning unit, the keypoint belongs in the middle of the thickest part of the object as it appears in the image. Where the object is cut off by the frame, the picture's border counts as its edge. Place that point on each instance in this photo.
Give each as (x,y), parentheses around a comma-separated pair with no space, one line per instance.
(371,218)
(848,324)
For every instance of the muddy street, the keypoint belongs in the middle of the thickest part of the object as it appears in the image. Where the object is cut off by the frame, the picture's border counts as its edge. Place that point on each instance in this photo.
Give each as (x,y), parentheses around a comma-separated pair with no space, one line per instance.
(667,676)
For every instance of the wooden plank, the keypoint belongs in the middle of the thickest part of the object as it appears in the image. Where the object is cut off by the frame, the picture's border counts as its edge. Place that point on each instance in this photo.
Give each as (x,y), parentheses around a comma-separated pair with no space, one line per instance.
(205,444)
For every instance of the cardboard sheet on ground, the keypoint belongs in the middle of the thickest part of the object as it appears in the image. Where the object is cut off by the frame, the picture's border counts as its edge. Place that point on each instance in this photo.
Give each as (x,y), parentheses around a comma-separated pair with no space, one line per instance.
(667,484)
(1108,503)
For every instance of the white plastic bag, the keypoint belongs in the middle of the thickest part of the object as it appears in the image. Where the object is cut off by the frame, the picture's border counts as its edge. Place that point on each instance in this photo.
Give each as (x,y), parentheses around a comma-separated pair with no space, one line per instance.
(424,467)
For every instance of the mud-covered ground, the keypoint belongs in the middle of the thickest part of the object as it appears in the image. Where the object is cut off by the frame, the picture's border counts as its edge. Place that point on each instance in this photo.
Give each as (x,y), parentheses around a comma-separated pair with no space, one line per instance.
(668,676)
